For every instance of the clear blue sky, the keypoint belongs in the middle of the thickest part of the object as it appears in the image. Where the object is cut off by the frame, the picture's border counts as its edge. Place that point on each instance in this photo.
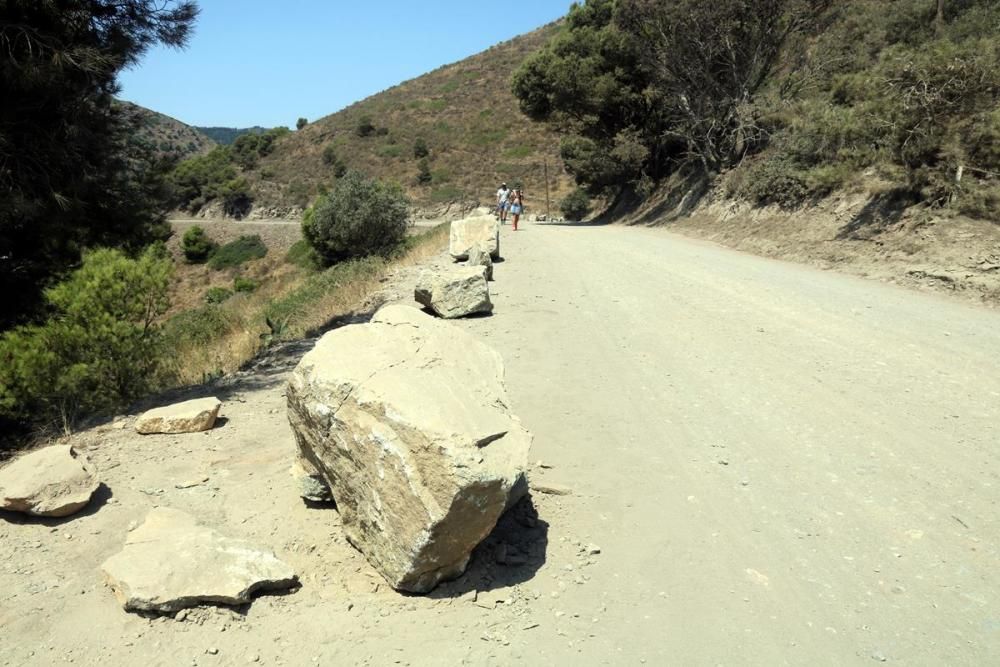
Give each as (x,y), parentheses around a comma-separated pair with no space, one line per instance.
(261,62)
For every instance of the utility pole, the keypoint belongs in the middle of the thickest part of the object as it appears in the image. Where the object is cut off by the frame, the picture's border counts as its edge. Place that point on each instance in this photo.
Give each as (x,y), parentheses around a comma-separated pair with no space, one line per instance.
(547,188)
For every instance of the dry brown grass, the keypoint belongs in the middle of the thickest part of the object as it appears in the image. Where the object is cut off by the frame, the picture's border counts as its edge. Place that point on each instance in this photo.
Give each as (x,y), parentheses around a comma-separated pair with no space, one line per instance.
(209,341)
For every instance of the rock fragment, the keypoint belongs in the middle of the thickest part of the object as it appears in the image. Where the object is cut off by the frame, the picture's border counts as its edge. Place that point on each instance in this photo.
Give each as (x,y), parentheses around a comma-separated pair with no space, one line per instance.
(171,562)
(407,419)
(54,481)
(479,257)
(188,417)
(454,292)
(466,234)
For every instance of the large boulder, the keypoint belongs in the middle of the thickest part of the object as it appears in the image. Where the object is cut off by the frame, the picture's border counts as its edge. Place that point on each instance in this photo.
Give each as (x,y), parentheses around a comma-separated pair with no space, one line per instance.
(187,417)
(407,419)
(454,291)
(466,234)
(479,257)
(54,482)
(171,562)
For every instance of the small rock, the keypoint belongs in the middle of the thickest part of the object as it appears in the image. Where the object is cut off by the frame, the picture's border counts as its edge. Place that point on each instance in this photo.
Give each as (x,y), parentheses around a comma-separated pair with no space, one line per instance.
(593,549)
(212,651)
(552,489)
(187,417)
(55,482)
(191,483)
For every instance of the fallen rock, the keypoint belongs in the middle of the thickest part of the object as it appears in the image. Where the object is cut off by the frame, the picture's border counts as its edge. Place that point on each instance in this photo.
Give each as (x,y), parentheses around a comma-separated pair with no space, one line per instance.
(171,562)
(407,419)
(552,489)
(312,486)
(455,291)
(479,257)
(55,482)
(187,417)
(466,234)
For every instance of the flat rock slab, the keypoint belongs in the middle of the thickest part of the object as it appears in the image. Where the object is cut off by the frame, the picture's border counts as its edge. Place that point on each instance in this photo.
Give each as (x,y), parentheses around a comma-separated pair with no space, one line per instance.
(407,420)
(187,417)
(54,482)
(466,234)
(454,291)
(171,562)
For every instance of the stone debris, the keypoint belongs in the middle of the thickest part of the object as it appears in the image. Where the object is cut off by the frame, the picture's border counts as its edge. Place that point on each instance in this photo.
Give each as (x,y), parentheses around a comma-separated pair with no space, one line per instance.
(482,231)
(312,486)
(407,420)
(52,482)
(551,489)
(479,257)
(453,292)
(188,417)
(171,562)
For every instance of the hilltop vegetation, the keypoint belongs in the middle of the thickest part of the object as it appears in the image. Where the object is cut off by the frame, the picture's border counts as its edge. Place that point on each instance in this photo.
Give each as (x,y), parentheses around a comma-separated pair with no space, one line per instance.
(448,136)
(227,135)
(163,138)
(789,99)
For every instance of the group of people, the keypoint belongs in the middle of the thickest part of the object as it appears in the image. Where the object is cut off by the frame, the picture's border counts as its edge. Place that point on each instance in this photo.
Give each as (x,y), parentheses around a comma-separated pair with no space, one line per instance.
(509,201)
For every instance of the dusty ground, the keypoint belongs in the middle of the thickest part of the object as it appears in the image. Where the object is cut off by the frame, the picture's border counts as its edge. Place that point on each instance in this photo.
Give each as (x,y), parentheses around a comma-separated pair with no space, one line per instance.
(779,465)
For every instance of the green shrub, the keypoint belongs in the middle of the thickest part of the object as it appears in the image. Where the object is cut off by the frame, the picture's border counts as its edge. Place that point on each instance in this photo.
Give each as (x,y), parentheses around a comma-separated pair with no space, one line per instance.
(196,327)
(197,246)
(238,252)
(301,254)
(420,148)
(331,159)
(100,349)
(300,123)
(217,295)
(775,179)
(365,127)
(424,175)
(241,284)
(389,151)
(358,217)
(576,205)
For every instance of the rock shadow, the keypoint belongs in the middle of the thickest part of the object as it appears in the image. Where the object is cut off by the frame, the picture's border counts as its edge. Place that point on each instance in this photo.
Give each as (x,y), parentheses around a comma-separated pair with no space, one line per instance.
(510,555)
(98,500)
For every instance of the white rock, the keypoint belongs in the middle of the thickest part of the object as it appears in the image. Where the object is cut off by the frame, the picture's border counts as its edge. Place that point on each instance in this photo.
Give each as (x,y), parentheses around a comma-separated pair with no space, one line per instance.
(479,257)
(407,419)
(467,233)
(171,562)
(55,481)
(454,291)
(187,417)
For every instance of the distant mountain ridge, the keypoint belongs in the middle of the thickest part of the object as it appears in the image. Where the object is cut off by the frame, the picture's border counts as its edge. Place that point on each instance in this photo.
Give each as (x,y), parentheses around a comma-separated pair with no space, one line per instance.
(227,135)
(161,136)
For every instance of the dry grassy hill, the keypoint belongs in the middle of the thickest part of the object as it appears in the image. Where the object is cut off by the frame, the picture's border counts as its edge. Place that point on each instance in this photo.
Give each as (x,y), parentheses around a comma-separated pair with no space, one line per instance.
(163,136)
(466,114)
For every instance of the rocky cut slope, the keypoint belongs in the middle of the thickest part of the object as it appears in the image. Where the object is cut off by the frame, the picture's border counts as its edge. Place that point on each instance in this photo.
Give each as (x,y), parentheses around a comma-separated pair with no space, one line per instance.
(463,114)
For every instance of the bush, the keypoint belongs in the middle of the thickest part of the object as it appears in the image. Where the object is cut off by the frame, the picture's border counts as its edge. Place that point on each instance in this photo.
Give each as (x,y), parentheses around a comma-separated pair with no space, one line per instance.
(359,217)
(217,295)
(300,123)
(238,252)
(424,175)
(100,349)
(420,148)
(331,159)
(241,284)
(302,255)
(196,245)
(365,127)
(576,205)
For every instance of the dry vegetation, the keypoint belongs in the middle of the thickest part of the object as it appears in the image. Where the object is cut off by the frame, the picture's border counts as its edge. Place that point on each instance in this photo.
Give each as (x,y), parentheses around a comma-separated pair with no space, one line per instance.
(163,136)
(291,302)
(465,112)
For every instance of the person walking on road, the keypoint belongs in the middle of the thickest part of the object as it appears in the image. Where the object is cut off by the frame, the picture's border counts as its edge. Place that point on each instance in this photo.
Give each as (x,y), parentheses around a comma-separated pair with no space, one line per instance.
(502,195)
(516,206)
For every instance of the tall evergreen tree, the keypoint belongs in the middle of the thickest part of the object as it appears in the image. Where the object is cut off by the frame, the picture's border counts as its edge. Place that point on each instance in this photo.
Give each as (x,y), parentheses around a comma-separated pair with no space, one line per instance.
(67,180)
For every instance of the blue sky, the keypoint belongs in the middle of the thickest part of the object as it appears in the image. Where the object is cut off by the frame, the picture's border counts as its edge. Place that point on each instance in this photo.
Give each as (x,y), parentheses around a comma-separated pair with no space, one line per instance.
(260,62)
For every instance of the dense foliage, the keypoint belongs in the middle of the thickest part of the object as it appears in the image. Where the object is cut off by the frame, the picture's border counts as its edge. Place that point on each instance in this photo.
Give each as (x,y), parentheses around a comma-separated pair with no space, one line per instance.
(67,179)
(357,218)
(795,96)
(100,348)
(576,205)
(238,252)
(197,246)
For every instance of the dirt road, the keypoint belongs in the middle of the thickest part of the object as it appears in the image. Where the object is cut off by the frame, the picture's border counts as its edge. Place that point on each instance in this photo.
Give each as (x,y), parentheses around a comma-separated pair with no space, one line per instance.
(777,465)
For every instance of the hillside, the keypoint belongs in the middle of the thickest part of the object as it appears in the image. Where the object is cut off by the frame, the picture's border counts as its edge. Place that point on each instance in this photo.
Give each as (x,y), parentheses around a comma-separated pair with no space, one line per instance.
(164,136)
(464,111)
(227,135)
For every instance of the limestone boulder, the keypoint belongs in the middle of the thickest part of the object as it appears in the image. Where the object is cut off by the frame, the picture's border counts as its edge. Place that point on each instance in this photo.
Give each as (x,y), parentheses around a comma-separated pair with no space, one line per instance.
(188,417)
(466,234)
(53,482)
(454,291)
(407,419)
(171,562)
(479,257)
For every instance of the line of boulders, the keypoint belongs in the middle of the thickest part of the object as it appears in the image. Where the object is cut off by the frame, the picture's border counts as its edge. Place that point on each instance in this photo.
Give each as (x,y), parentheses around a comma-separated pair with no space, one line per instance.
(405,423)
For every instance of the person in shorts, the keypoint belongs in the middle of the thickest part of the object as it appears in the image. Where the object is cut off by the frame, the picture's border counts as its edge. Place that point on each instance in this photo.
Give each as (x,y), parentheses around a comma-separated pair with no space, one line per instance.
(516,206)
(502,196)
